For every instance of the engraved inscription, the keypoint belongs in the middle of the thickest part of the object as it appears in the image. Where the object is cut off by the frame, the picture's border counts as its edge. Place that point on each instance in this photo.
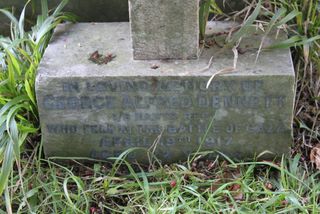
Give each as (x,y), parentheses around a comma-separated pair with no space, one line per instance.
(115,114)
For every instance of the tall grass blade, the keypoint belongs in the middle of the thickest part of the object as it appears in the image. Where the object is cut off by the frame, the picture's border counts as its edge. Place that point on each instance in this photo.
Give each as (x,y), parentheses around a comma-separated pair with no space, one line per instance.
(6,167)
(203,16)
(21,22)
(59,8)
(247,24)
(44,9)
(288,18)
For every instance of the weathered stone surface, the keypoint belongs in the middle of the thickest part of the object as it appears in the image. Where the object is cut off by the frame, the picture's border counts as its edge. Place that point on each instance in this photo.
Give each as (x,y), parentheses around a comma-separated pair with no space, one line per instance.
(164,29)
(98,111)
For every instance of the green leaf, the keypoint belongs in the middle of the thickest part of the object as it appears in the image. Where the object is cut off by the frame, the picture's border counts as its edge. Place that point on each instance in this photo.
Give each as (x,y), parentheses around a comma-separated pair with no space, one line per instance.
(44,9)
(247,24)
(214,8)
(29,92)
(15,63)
(288,17)
(13,102)
(294,41)
(11,76)
(13,19)
(6,165)
(203,16)
(113,191)
(273,20)
(44,29)
(291,42)
(21,22)
(27,129)
(60,7)
(13,130)
(306,40)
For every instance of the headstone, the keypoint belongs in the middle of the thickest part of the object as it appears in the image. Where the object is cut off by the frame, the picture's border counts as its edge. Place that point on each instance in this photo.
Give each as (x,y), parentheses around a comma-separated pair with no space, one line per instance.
(99,111)
(164,29)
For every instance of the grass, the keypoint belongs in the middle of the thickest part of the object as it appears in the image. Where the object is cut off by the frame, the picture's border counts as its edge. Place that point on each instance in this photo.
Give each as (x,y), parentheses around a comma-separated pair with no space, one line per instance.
(206,8)
(207,186)
(200,185)
(20,55)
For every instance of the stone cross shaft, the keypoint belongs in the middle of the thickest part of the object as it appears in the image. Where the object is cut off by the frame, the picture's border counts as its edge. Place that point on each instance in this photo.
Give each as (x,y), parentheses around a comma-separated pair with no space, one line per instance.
(164,29)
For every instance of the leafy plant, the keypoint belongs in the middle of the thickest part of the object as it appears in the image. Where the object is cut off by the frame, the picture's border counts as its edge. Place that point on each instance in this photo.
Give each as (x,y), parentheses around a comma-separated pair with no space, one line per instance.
(20,55)
(305,40)
(206,7)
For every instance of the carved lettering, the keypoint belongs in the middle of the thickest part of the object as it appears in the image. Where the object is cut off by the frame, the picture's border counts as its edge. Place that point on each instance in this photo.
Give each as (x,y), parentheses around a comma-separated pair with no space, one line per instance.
(62,129)
(119,113)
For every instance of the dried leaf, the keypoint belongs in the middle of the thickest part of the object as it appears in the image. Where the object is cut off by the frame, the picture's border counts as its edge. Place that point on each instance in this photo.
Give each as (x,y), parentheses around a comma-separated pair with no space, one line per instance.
(269,186)
(235,187)
(155,66)
(284,203)
(222,71)
(99,59)
(211,165)
(173,184)
(315,156)
(238,196)
(214,187)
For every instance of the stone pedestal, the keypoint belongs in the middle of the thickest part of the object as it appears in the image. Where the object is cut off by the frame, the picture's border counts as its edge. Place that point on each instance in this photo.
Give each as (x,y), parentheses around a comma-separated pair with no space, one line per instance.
(99,111)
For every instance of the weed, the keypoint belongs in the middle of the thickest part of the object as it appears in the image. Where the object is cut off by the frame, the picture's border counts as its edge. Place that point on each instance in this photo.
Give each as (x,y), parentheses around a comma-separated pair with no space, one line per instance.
(207,186)
(19,58)
(206,7)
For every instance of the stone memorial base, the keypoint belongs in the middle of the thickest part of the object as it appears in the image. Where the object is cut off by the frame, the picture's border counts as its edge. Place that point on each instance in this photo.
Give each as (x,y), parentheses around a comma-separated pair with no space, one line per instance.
(99,111)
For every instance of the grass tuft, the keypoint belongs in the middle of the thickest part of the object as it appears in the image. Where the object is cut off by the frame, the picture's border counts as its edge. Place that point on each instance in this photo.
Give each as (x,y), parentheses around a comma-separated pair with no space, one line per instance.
(20,55)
